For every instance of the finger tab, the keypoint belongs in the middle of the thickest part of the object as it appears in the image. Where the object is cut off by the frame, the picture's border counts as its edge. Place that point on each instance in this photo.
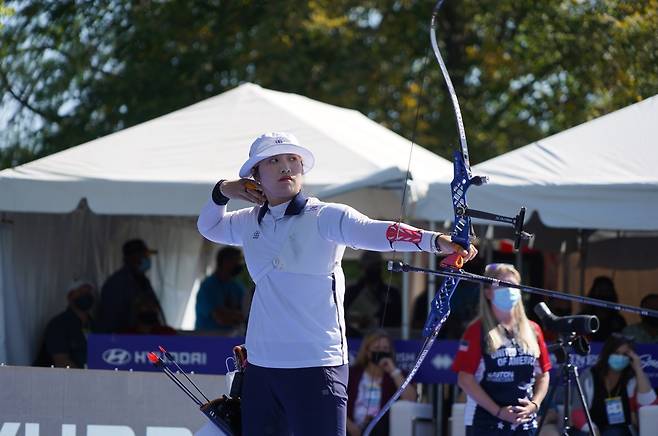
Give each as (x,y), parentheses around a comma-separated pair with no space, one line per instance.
(252,186)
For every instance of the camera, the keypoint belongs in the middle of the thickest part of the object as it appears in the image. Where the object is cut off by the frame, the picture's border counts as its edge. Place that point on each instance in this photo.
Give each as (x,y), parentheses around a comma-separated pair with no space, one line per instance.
(566,325)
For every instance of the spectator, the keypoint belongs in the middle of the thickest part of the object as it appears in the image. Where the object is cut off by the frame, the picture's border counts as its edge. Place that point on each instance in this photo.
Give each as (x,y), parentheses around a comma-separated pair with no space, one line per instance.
(502,362)
(146,318)
(65,338)
(366,300)
(610,321)
(646,331)
(373,380)
(120,291)
(220,297)
(615,388)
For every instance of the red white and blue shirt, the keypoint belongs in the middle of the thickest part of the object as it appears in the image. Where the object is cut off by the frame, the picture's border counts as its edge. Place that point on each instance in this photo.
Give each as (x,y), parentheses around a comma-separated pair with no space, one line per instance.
(505,375)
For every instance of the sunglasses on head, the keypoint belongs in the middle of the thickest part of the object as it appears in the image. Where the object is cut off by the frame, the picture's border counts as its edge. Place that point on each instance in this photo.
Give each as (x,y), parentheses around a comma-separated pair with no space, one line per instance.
(492,267)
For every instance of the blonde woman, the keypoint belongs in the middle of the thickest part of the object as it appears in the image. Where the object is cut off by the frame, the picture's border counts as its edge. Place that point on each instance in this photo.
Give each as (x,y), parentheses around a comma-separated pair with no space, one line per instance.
(373,380)
(502,362)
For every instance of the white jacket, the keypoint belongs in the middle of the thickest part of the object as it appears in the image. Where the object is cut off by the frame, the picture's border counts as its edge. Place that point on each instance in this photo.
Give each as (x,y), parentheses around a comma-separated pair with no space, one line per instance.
(293,253)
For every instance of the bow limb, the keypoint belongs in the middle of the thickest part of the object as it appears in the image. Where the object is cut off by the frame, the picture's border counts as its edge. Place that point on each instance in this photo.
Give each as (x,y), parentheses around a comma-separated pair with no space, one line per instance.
(451,89)
(461,234)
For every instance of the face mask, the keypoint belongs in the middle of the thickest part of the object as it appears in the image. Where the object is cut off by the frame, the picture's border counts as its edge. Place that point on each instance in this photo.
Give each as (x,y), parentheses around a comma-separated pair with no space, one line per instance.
(505,298)
(145,264)
(237,270)
(376,356)
(84,302)
(618,362)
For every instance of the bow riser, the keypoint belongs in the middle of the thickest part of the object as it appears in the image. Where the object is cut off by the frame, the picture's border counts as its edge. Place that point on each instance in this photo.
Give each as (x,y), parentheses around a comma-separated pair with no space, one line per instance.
(461,233)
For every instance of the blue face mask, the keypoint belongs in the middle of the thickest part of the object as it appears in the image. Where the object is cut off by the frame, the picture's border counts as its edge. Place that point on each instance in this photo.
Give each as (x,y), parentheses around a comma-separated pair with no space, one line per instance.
(145,265)
(505,298)
(618,362)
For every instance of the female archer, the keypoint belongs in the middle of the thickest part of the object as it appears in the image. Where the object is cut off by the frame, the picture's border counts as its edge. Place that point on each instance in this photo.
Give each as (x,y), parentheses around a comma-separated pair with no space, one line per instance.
(296,378)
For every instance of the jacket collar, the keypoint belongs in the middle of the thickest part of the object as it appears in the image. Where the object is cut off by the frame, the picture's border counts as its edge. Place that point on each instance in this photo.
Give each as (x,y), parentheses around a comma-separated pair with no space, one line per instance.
(295,207)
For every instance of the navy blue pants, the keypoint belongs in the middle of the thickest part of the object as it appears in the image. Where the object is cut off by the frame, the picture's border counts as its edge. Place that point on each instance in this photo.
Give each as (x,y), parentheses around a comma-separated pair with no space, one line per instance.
(299,401)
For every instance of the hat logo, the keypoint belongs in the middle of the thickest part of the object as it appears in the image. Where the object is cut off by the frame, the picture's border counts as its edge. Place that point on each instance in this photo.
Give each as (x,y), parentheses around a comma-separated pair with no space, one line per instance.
(273,144)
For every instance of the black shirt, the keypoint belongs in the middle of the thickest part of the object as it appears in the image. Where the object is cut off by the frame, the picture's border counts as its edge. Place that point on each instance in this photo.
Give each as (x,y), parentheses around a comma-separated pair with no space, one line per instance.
(65,334)
(118,294)
(598,408)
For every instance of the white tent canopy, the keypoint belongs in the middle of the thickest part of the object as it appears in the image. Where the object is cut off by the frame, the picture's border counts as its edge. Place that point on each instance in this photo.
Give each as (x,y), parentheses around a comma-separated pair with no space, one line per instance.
(151,180)
(602,174)
(165,166)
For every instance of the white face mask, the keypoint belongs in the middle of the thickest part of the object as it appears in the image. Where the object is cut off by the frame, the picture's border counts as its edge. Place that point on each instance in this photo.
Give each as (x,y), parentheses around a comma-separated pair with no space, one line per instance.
(506,298)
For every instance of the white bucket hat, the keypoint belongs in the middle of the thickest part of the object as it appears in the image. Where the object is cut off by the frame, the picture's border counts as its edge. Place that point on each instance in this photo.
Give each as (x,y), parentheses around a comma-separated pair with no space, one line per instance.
(273,143)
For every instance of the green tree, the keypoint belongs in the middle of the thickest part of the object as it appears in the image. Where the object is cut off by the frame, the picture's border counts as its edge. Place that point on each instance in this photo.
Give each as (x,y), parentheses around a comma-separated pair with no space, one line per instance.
(72,71)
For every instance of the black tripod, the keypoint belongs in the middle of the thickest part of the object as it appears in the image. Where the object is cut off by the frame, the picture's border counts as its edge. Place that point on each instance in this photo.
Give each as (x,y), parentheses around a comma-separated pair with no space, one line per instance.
(568,375)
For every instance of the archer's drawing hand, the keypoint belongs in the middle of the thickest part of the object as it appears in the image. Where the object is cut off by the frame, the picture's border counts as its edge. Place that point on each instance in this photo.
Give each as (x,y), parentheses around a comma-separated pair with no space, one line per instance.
(243,189)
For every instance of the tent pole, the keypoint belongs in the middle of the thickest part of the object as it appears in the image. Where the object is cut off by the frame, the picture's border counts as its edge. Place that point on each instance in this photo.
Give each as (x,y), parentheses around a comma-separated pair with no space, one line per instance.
(564,260)
(583,237)
(489,241)
(438,408)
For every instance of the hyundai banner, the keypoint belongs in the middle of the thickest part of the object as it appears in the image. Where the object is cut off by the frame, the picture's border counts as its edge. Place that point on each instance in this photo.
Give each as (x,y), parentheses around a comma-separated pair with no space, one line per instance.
(209,354)
(198,354)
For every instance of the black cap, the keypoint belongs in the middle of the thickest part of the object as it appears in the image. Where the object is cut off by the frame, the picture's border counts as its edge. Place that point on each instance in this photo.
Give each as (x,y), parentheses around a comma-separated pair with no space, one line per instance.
(135,246)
